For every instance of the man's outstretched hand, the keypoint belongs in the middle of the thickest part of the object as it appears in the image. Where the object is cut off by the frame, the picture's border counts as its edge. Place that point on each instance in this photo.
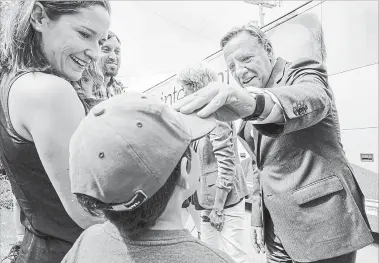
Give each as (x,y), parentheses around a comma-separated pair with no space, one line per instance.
(227,103)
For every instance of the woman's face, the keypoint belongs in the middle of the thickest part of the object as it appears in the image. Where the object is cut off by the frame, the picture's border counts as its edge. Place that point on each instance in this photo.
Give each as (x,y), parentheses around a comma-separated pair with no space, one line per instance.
(74,40)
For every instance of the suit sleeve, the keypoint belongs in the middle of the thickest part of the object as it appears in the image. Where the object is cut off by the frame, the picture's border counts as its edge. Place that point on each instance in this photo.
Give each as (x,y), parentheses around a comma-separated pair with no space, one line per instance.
(222,141)
(306,98)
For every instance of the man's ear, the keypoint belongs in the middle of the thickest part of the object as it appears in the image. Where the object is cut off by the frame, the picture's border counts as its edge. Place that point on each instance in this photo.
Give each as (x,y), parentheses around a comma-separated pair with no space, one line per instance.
(182,181)
(38,17)
(270,52)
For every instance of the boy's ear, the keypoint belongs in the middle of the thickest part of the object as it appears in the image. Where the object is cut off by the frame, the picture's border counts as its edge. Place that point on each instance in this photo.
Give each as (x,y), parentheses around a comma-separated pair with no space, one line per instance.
(182,181)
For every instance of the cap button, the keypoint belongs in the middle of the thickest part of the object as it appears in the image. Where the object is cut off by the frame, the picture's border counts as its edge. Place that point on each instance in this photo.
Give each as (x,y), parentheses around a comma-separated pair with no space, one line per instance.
(98,111)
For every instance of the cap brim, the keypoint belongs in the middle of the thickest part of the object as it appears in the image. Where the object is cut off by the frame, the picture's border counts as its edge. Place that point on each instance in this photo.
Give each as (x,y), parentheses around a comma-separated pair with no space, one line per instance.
(196,126)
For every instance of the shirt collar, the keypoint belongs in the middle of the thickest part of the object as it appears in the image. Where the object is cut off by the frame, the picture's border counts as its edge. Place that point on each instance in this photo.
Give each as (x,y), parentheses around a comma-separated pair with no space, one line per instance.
(111,82)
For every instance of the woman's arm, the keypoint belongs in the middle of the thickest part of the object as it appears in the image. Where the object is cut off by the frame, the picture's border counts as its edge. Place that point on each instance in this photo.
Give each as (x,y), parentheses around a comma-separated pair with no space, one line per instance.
(46,110)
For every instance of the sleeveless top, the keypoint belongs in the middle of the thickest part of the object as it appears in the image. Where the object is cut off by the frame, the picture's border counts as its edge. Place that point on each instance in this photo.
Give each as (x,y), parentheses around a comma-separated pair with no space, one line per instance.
(42,212)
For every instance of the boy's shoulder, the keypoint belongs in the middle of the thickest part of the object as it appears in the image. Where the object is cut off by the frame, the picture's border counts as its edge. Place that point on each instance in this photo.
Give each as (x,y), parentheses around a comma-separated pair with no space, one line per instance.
(103,242)
(174,246)
(94,244)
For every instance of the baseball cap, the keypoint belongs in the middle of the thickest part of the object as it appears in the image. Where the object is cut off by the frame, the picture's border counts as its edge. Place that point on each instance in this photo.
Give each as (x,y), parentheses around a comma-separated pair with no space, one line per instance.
(125,149)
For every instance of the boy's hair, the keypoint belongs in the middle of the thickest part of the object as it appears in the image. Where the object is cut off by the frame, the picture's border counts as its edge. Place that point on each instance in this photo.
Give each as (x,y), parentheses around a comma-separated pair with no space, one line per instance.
(132,223)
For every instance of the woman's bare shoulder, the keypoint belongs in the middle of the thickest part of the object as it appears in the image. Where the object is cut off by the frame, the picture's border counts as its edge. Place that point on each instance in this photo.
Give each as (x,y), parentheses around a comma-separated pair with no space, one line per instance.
(43,92)
(39,84)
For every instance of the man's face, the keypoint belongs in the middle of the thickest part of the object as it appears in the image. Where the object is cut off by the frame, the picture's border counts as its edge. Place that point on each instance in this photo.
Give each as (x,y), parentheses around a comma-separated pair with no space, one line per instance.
(111,57)
(248,61)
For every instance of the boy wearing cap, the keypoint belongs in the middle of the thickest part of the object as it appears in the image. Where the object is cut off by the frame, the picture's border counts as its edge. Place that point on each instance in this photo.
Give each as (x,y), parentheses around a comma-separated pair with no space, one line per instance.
(131,160)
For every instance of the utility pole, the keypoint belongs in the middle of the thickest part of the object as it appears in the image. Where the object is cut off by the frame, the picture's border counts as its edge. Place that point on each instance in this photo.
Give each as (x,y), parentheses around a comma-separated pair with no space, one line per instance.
(261,5)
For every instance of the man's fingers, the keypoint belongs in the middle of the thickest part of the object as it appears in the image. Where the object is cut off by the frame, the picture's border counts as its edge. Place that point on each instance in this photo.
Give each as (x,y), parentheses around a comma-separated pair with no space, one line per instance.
(196,100)
(182,102)
(217,102)
(260,240)
(254,240)
(193,104)
(215,223)
(197,103)
(256,248)
(257,239)
(259,236)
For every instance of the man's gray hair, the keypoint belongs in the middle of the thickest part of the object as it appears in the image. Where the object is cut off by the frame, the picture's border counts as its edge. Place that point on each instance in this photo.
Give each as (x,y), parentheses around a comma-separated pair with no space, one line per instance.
(316,34)
(258,34)
(196,76)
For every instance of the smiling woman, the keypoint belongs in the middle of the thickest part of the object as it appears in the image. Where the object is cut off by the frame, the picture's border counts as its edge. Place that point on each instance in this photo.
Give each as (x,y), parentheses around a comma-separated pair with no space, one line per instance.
(45,46)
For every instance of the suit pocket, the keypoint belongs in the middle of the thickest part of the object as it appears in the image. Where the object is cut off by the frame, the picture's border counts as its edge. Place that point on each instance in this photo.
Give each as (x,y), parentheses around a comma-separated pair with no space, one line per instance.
(317,189)
(211,178)
(207,190)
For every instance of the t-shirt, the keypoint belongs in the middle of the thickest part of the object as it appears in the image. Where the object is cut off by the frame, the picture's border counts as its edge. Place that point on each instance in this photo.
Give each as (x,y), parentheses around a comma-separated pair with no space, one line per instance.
(104,243)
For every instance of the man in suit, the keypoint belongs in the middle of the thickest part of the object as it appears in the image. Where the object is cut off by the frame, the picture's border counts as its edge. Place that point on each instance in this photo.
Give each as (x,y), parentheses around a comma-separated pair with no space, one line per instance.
(312,206)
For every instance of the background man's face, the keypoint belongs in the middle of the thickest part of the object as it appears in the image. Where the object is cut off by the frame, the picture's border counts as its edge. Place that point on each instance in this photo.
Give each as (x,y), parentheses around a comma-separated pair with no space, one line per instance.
(111,57)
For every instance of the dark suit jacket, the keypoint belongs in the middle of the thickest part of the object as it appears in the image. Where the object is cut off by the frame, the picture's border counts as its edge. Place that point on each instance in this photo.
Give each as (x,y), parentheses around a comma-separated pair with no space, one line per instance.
(306,182)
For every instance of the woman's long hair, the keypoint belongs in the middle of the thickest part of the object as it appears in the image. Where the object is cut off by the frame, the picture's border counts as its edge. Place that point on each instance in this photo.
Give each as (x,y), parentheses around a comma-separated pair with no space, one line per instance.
(20,45)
